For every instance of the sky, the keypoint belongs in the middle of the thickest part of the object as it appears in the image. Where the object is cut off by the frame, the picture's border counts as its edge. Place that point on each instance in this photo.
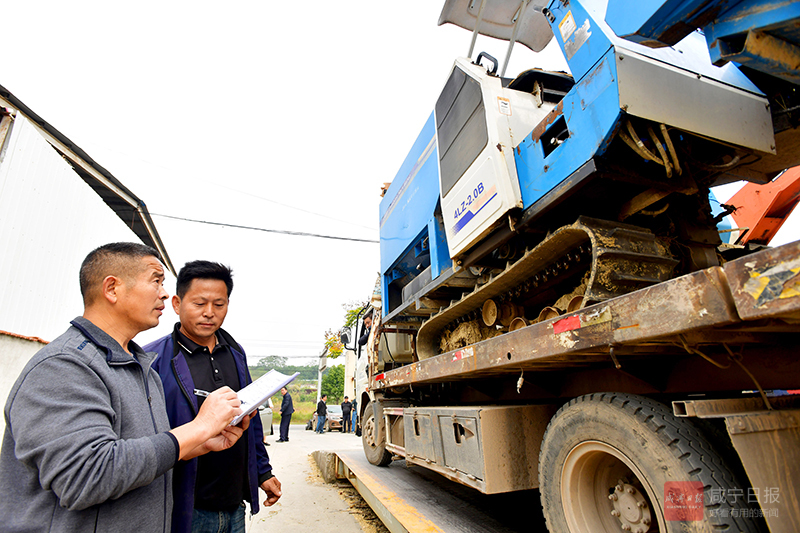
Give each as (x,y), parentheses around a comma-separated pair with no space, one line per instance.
(285,116)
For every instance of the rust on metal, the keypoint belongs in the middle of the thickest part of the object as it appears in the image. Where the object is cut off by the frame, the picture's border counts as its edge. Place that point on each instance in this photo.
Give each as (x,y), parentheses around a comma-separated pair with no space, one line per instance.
(784,57)
(681,305)
(720,408)
(769,445)
(24,337)
(766,284)
(551,117)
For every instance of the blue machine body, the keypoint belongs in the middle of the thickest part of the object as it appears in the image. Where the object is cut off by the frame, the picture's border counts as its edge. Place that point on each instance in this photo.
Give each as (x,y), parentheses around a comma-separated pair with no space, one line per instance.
(592,109)
(762,35)
(591,113)
(411,237)
(593,35)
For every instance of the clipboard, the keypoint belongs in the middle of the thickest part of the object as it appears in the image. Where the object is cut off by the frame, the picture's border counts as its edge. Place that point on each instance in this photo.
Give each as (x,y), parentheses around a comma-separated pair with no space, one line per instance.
(260,390)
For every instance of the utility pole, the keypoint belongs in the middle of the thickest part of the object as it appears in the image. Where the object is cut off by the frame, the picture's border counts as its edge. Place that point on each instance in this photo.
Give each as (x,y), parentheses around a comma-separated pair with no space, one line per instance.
(323,364)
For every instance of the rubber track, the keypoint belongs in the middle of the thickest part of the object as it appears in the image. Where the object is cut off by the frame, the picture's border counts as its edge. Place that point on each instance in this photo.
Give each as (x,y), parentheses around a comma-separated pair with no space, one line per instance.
(619,239)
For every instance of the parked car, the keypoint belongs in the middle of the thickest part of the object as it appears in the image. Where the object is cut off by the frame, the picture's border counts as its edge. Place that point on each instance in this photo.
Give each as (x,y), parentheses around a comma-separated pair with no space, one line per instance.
(332,421)
(265,412)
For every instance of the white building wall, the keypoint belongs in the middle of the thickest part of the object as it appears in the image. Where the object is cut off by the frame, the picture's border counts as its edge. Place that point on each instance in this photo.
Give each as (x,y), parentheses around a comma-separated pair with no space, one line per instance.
(15,352)
(49,220)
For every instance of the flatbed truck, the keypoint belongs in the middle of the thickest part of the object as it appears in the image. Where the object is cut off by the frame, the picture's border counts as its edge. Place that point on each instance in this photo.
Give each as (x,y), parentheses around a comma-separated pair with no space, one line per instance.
(607,401)
(564,304)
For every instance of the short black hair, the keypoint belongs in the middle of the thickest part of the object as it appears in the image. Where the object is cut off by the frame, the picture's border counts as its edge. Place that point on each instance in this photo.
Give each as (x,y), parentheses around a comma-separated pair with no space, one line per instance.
(113,259)
(203,270)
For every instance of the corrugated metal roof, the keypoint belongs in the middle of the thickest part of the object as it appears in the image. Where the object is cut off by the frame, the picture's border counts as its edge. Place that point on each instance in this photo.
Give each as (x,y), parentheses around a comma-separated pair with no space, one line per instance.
(128,207)
(49,220)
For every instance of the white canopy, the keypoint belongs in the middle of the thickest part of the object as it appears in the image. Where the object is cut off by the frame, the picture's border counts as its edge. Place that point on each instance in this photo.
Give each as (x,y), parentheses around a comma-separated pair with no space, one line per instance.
(499,18)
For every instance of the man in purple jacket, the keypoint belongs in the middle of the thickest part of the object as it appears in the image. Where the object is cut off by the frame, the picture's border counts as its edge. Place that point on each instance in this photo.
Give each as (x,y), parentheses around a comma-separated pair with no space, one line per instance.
(195,359)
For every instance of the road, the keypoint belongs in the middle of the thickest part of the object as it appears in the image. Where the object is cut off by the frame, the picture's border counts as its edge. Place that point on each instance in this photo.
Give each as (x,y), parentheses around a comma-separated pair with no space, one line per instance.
(308,504)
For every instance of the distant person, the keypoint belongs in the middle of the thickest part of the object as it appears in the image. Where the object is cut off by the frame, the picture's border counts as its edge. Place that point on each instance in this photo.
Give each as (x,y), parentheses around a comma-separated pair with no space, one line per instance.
(87,444)
(287,408)
(346,408)
(354,422)
(198,356)
(322,412)
(365,328)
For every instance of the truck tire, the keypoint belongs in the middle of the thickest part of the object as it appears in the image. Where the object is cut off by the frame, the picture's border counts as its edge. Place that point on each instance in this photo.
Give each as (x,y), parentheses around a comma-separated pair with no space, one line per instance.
(374,449)
(605,461)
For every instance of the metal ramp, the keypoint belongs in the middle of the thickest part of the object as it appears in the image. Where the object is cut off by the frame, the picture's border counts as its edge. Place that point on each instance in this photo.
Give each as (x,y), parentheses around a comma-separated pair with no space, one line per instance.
(412,499)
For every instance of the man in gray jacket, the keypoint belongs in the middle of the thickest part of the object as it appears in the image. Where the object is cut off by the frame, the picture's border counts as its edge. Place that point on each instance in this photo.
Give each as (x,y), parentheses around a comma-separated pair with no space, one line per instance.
(87,443)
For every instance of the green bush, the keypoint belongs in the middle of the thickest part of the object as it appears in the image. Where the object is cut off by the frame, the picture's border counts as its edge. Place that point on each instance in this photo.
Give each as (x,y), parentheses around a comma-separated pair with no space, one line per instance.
(303,411)
(304,398)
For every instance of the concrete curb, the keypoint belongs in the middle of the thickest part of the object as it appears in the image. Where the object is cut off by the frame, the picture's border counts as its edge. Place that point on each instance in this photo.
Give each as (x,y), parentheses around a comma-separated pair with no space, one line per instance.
(326,463)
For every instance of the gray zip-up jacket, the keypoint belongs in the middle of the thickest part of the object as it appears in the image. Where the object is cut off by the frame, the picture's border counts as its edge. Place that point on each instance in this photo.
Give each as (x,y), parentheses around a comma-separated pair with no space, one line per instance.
(86,446)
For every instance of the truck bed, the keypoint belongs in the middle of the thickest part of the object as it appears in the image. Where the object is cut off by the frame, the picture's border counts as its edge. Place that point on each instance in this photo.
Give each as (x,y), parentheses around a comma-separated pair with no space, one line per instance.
(689,326)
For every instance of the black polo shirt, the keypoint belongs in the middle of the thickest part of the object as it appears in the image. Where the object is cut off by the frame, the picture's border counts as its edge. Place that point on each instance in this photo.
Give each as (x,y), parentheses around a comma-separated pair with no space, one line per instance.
(221,483)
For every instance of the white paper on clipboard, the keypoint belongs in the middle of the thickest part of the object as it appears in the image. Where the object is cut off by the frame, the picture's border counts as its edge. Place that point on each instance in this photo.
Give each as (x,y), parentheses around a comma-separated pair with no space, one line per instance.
(258,391)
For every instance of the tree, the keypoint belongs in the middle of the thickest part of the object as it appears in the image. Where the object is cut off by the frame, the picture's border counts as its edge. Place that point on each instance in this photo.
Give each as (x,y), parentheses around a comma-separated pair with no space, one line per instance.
(274,362)
(332,341)
(271,362)
(333,383)
(333,344)
(351,315)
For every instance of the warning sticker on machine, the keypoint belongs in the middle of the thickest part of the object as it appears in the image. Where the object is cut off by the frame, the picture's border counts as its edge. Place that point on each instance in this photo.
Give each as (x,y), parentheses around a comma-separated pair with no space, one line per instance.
(463,354)
(580,36)
(567,26)
(597,316)
(774,283)
(504,106)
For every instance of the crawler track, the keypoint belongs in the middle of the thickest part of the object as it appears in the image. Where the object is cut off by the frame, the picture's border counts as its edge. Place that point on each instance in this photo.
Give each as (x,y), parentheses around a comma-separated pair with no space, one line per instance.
(623,258)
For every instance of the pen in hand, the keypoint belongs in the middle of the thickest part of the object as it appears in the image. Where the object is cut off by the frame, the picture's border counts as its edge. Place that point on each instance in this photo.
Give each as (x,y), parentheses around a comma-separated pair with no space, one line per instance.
(201,393)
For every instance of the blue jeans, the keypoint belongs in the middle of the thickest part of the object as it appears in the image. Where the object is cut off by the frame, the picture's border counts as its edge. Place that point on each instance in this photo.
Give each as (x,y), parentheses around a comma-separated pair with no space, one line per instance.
(355,421)
(217,521)
(320,424)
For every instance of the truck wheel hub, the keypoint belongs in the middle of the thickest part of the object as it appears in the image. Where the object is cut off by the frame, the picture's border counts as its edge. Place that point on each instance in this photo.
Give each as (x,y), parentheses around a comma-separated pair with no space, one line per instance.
(630,507)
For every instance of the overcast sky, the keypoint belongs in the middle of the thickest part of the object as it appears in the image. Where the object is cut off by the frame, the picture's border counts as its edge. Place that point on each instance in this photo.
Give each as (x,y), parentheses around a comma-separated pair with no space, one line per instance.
(285,116)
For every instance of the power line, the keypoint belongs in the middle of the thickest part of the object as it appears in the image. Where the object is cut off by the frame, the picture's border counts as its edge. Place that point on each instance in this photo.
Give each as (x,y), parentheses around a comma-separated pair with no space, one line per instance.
(129,156)
(290,206)
(285,232)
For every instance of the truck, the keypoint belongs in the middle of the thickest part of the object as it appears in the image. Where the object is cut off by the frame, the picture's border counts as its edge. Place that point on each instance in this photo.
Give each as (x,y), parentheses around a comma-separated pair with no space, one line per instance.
(562,305)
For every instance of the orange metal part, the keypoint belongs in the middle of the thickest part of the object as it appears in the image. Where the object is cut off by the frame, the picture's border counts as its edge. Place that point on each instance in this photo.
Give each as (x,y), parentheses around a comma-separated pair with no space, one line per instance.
(764,208)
